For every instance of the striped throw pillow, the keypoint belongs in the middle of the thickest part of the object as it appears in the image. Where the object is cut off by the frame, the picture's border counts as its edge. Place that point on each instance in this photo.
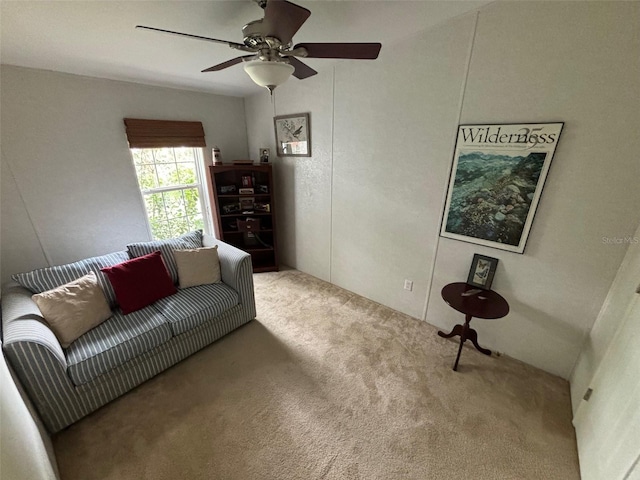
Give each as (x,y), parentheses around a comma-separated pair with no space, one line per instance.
(184,242)
(44,279)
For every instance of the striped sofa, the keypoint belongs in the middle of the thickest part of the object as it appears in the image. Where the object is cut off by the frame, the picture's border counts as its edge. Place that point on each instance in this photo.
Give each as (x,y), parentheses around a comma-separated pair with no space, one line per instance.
(125,350)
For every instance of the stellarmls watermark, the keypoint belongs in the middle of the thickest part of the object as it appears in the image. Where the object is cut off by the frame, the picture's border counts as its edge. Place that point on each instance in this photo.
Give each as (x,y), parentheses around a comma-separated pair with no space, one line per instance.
(628,240)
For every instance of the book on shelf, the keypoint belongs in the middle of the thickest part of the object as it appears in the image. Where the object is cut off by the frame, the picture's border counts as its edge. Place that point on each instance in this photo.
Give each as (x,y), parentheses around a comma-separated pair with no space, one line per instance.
(247,181)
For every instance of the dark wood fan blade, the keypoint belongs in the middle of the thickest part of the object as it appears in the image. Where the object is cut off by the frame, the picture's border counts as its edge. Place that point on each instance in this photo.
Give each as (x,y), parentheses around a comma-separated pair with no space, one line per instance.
(302,70)
(197,37)
(358,51)
(228,63)
(283,19)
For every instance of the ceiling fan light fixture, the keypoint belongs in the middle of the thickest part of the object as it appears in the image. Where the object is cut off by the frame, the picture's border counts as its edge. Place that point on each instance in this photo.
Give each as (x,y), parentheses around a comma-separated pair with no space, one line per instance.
(270,40)
(268,74)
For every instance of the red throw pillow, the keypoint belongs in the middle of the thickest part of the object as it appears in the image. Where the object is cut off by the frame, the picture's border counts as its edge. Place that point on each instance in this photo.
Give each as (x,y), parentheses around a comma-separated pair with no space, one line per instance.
(140,282)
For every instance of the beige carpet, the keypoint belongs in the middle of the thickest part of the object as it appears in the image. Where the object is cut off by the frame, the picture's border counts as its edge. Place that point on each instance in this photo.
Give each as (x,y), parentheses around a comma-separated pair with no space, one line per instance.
(328,385)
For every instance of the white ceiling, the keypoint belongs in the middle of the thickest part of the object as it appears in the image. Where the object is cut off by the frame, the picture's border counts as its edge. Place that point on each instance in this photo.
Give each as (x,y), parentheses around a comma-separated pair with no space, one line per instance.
(98,38)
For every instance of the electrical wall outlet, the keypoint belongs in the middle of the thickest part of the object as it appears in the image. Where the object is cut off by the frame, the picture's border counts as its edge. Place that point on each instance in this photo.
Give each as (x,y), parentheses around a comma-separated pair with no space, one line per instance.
(408,284)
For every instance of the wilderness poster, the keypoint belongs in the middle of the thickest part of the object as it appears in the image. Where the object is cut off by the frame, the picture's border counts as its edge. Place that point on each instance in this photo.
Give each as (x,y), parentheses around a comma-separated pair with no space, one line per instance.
(496,182)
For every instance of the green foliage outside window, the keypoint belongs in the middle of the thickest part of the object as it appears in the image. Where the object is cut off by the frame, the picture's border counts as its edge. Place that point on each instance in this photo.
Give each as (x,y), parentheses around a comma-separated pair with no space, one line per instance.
(175,211)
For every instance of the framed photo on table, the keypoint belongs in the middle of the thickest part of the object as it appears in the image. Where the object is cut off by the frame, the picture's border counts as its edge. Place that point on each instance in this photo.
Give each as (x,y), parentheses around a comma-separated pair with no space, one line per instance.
(293,135)
(496,182)
(482,271)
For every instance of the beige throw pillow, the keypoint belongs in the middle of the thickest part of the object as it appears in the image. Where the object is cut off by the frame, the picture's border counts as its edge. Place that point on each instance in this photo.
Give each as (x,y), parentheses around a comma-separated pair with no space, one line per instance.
(198,266)
(74,308)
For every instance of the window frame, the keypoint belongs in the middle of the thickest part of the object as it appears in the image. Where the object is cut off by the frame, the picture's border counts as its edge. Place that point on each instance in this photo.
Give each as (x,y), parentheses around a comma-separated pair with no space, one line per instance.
(201,186)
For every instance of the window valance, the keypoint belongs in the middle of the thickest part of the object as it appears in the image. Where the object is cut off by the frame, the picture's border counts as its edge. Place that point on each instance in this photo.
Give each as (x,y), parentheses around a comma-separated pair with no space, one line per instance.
(143,133)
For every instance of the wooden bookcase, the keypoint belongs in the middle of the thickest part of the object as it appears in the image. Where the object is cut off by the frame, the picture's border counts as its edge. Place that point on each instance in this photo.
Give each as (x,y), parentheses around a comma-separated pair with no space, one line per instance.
(246,220)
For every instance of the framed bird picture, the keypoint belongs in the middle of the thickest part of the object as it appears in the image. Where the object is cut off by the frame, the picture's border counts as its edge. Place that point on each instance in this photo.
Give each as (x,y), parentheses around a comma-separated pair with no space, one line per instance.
(293,135)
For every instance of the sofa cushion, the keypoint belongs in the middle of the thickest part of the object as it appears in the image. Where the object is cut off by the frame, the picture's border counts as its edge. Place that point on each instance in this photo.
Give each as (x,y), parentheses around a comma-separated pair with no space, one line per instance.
(74,308)
(186,241)
(140,282)
(192,306)
(114,342)
(44,279)
(197,266)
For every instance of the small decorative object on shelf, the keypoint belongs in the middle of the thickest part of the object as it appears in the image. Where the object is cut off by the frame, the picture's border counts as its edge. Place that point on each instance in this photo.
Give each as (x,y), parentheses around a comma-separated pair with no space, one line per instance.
(482,271)
(244,211)
(249,225)
(217,156)
(264,155)
(247,203)
(227,189)
(230,208)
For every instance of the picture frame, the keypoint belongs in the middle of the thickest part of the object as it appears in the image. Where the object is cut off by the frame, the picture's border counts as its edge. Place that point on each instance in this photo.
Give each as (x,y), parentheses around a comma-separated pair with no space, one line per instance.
(264,154)
(227,189)
(230,208)
(246,203)
(496,182)
(482,271)
(293,135)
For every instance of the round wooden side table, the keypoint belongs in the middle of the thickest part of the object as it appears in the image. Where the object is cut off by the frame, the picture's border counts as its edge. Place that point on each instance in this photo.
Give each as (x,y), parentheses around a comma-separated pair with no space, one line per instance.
(473,302)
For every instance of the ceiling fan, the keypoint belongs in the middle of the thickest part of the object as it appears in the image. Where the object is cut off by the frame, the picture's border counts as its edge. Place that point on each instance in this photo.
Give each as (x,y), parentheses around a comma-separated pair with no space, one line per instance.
(269,40)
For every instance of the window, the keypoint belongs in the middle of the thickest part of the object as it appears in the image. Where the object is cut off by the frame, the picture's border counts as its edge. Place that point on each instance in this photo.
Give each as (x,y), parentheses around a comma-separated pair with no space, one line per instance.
(172,183)
(167,156)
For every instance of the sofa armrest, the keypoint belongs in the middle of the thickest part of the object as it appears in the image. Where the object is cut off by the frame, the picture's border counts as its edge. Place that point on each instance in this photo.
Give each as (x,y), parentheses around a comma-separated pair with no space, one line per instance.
(236,271)
(22,322)
(38,359)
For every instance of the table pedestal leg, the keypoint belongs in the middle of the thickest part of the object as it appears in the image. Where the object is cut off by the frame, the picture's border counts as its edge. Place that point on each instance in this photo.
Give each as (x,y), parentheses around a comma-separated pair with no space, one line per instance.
(463,338)
(466,333)
(473,336)
(457,330)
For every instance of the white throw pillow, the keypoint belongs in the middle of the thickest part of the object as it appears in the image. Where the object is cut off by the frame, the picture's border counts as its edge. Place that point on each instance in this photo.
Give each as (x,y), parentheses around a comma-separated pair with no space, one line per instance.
(198,266)
(74,308)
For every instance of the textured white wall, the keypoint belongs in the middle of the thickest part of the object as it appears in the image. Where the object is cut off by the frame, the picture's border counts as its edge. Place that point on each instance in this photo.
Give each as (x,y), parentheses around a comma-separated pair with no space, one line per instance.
(392,139)
(394,123)
(578,63)
(303,184)
(69,189)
